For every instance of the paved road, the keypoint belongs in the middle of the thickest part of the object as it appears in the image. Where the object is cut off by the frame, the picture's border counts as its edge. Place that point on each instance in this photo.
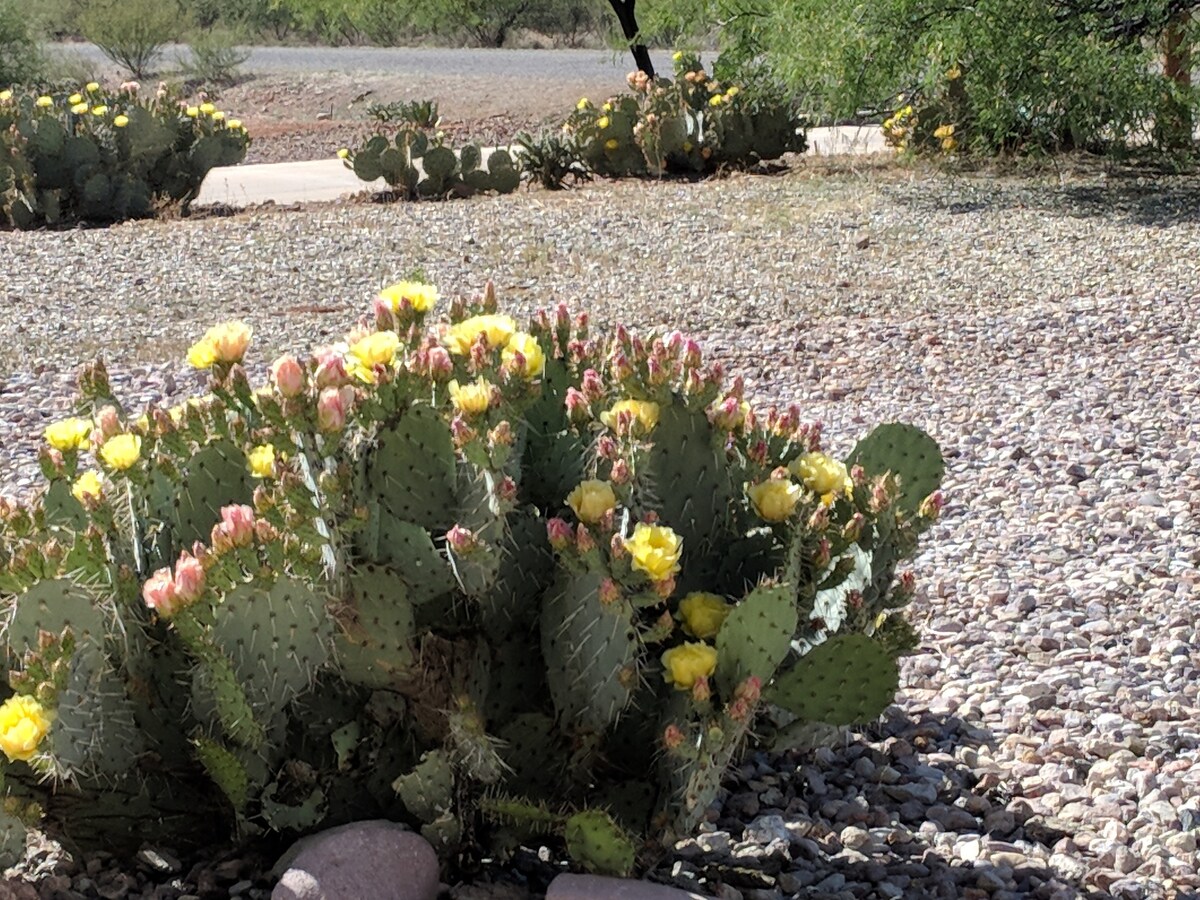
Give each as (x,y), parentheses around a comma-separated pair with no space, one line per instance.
(433,61)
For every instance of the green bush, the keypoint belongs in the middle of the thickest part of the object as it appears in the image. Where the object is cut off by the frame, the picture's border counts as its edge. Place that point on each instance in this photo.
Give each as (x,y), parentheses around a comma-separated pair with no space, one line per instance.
(20,56)
(550,158)
(507,585)
(101,156)
(215,58)
(131,32)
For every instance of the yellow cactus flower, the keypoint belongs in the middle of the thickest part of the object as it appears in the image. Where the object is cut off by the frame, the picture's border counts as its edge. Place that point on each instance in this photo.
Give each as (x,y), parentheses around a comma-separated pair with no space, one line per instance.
(87,485)
(471,399)
(684,665)
(775,499)
(218,116)
(654,550)
(733,91)
(378,349)
(75,98)
(943,131)
(234,124)
(644,412)
(79,109)
(420,296)
(949,144)
(121,121)
(207,108)
(99,110)
(584,103)
(121,451)
(612,144)
(192,111)
(44,102)
(703,614)
(716,100)
(602,122)
(953,73)
(591,500)
(24,723)
(530,349)
(69,434)
(497,329)
(261,461)
(92,86)
(677,56)
(5,96)
(202,354)
(822,475)
(343,153)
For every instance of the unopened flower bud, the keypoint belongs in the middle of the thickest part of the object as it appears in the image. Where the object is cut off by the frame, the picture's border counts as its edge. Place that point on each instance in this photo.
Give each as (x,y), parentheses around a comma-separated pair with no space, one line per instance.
(578,408)
(819,520)
(657,373)
(616,547)
(189,578)
(606,447)
(620,472)
(673,737)
(858,475)
(701,692)
(609,592)
(288,376)
(441,367)
(853,528)
(108,423)
(584,542)
(461,432)
(750,689)
(665,588)
(822,554)
(265,532)
(489,296)
(692,358)
(461,540)
(758,452)
(593,387)
(385,319)
(331,369)
(501,435)
(559,533)
(332,407)
(931,506)
(506,490)
(620,367)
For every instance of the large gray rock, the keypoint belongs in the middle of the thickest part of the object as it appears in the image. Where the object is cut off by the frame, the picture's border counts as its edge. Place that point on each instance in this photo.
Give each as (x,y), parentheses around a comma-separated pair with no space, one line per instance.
(374,860)
(593,887)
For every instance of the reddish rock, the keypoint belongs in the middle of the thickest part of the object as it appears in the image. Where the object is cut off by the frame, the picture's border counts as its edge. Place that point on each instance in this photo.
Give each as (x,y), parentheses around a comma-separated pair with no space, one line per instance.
(593,887)
(375,860)
(13,889)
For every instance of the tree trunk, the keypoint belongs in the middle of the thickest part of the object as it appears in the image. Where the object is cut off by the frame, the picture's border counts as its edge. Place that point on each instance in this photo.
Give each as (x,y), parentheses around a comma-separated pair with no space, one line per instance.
(629,27)
(1177,130)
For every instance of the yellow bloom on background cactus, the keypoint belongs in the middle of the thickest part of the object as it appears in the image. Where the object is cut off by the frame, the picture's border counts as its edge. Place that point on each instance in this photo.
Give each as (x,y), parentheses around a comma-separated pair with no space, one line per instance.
(684,665)
(224,343)
(471,399)
(69,434)
(421,297)
(79,109)
(44,102)
(530,349)
(75,98)
(822,475)
(261,461)
(207,108)
(378,349)
(121,452)
(5,96)
(602,122)
(943,131)
(591,500)
(775,499)
(87,485)
(496,329)
(703,614)
(654,550)
(644,413)
(121,121)
(24,722)
(612,144)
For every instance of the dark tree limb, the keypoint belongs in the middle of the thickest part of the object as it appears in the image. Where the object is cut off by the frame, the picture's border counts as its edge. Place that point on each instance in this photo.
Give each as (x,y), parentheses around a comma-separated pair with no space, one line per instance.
(629,27)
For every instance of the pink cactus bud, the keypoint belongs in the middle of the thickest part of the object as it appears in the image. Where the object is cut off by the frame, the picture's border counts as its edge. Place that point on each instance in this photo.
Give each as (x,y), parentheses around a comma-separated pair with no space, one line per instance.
(189,578)
(461,540)
(461,432)
(562,317)
(480,353)
(331,370)
(907,581)
(578,407)
(673,737)
(385,319)
(854,600)
(658,374)
(541,321)
(620,367)
(858,475)
(506,490)
(750,689)
(694,383)
(822,554)
(559,533)
(739,388)
(441,367)
(881,497)
(606,447)
(665,588)
(727,415)
(237,525)
(622,334)
(581,323)
(853,528)
(609,592)
(738,710)
(758,452)
(819,520)
(616,547)
(489,296)
(931,506)
(501,435)
(593,386)
(288,376)
(701,692)
(159,593)
(108,423)
(620,472)
(674,342)
(584,542)
(265,532)
(692,357)
(577,350)
(331,409)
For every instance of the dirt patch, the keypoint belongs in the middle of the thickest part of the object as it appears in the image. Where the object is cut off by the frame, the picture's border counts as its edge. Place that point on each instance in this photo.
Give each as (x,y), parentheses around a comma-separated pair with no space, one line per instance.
(298,118)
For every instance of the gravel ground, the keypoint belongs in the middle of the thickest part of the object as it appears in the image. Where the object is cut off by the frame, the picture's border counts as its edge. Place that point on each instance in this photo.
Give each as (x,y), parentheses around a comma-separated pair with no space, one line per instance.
(1047,739)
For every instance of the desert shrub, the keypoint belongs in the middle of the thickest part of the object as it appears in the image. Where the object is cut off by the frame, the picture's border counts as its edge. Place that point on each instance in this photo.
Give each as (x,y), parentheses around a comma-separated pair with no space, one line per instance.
(20,56)
(131,32)
(550,158)
(104,156)
(417,113)
(418,165)
(501,583)
(214,57)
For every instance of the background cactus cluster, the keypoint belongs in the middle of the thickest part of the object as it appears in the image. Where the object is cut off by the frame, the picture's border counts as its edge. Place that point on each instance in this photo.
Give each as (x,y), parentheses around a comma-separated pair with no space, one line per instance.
(692,125)
(417,164)
(104,156)
(501,583)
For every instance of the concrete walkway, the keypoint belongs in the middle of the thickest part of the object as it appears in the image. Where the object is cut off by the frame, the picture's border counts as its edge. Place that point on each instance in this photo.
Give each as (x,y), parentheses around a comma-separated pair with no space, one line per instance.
(323,180)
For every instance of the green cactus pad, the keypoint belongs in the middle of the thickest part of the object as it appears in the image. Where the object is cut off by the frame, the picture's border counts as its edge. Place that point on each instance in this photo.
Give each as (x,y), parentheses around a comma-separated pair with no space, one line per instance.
(909,453)
(599,844)
(216,476)
(62,508)
(439,162)
(444,833)
(526,564)
(535,753)
(409,551)
(95,732)
(755,638)
(848,679)
(591,652)
(375,646)
(428,790)
(277,639)
(52,606)
(413,471)
(225,770)
(300,816)
(12,839)
(552,448)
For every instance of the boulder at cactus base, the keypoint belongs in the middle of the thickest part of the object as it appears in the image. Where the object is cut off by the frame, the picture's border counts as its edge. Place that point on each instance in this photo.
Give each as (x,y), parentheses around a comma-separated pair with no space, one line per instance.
(594,887)
(374,860)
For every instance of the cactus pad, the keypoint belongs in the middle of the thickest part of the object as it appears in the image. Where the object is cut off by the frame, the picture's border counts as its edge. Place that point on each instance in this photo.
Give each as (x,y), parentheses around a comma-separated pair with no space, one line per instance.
(755,637)
(375,647)
(428,790)
(225,770)
(52,606)
(848,679)
(412,469)
(216,476)
(599,844)
(909,453)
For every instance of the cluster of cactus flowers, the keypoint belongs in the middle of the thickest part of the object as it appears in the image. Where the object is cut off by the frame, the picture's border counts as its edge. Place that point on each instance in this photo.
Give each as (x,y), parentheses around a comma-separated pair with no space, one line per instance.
(504,584)
(692,125)
(101,155)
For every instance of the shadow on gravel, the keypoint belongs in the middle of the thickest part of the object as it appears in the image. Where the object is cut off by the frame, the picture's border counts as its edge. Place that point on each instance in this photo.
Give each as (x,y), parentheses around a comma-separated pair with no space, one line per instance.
(908,809)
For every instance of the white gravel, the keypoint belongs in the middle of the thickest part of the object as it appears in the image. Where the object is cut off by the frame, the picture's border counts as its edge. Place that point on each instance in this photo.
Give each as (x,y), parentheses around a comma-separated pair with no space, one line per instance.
(1048,736)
